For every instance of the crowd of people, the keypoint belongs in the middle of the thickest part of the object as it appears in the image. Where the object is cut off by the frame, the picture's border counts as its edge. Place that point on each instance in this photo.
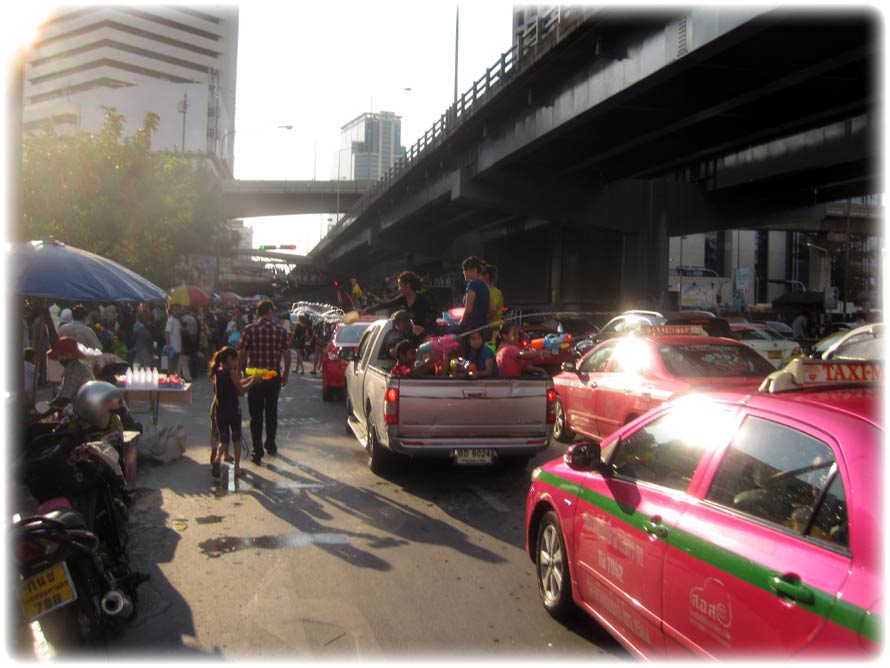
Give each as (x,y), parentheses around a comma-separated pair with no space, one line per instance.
(248,351)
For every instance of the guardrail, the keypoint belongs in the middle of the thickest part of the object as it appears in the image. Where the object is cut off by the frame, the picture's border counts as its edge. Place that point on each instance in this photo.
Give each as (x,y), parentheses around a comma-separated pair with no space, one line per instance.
(495,77)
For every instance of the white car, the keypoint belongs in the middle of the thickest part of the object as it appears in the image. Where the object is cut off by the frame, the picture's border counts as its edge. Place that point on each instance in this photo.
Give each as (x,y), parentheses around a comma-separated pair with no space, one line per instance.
(782,328)
(862,343)
(766,341)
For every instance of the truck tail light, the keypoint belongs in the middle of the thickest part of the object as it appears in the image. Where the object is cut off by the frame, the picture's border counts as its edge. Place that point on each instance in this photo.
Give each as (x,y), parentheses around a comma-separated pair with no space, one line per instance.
(391,406)
(551,406)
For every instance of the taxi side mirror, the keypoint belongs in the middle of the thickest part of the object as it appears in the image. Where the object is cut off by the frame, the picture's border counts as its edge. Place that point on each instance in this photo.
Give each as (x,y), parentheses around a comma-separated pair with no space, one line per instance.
(569,366)
(349,354)
(583,456)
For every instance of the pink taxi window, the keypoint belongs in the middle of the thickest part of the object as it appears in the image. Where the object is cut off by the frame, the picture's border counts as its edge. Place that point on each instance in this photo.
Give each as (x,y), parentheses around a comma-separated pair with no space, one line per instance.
(667,450)
(784,477)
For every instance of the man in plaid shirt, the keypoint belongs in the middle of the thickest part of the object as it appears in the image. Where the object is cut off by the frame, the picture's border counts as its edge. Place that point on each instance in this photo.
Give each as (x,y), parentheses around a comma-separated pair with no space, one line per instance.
(261,347)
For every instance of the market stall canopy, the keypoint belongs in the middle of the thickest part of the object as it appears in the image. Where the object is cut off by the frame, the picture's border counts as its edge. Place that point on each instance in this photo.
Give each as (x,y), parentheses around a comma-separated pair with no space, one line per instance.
(188,295)
(55,270)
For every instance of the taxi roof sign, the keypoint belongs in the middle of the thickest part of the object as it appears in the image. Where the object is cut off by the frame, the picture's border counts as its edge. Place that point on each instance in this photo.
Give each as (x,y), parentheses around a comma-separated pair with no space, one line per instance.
(672,330)
(808,373)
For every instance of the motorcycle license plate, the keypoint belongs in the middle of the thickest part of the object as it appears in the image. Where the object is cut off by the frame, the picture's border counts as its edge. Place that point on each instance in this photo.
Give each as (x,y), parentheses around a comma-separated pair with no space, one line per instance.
(46,591)
(471,457)
(775,354)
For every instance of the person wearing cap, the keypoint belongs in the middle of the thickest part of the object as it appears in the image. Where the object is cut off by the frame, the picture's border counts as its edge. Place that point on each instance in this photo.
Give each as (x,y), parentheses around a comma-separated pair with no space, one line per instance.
(69,352)
(77,328)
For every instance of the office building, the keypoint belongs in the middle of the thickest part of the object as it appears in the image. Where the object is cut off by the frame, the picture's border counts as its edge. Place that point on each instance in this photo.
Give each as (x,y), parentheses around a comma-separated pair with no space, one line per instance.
(370,145)
(178,62)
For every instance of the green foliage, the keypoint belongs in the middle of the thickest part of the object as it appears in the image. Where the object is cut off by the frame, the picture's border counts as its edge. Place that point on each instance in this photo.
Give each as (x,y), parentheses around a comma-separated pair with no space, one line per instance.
(111,195)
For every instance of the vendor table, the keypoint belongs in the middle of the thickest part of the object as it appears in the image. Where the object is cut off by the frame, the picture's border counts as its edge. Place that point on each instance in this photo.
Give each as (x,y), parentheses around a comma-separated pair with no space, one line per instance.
(155,397)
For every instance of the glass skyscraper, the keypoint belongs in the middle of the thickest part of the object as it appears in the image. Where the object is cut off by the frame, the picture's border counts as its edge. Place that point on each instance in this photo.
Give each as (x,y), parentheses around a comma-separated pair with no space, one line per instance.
(369,145)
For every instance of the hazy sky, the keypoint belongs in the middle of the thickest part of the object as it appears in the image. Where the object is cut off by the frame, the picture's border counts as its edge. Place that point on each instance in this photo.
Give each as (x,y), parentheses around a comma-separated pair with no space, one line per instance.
(318,66)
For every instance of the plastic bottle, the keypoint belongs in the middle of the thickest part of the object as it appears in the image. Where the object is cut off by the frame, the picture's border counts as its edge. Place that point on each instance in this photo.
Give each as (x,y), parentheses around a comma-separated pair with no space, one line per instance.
(129,378)
(154,378)
(142,381)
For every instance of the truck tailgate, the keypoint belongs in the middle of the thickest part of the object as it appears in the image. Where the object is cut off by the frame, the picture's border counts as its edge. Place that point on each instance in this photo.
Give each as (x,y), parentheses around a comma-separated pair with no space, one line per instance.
(450,408)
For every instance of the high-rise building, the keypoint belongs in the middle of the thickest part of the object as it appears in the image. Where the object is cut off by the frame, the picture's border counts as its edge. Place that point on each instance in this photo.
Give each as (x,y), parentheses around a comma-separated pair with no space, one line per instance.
(175,61)
(369,145)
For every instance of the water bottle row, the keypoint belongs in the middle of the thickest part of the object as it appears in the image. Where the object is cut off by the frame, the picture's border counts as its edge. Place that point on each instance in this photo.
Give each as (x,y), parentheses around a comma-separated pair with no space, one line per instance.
(142,378)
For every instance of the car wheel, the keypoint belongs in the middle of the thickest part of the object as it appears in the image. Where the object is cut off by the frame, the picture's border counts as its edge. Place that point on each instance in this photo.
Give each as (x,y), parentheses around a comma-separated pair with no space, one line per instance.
(378,458)
(561,432)
(553,576)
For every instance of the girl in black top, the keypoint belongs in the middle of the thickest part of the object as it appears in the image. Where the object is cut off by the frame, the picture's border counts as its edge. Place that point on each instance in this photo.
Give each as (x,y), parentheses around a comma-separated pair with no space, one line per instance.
(227,387)
(298,341)
(412,300)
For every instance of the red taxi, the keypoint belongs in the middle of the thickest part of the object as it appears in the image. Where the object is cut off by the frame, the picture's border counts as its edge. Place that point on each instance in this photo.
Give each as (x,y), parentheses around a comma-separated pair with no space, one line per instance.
(624,377)
(336,356)
(726,524)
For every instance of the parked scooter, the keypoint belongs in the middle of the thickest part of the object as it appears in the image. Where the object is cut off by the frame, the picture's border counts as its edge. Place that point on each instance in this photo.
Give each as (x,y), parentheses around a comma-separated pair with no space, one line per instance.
(75,577)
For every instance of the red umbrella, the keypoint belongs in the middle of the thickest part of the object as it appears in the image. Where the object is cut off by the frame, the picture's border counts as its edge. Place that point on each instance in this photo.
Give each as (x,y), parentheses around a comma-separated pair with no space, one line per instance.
(188,295)
(230,298)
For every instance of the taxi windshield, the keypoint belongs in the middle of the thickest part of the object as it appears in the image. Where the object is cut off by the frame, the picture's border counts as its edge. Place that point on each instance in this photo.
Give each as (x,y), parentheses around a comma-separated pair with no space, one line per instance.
(713,360)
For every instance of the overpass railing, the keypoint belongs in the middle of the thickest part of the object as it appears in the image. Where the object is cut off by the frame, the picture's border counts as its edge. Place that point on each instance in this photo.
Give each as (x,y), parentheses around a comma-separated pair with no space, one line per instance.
(559,20)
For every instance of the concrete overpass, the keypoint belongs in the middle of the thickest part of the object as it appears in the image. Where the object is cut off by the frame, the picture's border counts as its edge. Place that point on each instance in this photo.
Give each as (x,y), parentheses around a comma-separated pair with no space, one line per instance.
(247,199)
(576,156)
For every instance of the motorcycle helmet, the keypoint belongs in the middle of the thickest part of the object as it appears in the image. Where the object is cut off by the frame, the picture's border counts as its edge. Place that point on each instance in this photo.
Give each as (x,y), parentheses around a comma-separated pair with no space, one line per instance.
(95,402)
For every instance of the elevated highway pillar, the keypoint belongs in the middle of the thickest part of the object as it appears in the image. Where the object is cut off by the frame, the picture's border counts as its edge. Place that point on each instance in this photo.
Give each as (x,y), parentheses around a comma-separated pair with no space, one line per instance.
(645,252)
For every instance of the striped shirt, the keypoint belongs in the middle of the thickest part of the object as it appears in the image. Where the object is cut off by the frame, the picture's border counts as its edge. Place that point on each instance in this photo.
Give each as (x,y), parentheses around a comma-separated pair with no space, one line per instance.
(264,343)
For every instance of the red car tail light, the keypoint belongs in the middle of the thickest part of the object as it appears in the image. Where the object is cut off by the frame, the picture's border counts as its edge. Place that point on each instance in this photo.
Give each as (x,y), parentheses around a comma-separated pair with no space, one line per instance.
(551,406)
(391,406)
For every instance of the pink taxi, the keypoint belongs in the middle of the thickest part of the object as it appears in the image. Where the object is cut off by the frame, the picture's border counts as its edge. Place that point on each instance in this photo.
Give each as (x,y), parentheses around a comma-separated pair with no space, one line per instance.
(624,377)
(726,524)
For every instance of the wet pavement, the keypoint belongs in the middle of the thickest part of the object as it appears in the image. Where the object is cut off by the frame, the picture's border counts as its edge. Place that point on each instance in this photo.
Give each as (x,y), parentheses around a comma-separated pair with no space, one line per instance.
(311,556)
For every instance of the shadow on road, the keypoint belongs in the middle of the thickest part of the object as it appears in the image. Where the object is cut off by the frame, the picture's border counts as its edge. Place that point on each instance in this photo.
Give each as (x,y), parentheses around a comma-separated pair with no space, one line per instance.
(299,501)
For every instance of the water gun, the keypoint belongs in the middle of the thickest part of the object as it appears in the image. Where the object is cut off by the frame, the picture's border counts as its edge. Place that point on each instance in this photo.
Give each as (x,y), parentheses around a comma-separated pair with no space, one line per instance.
(264,374)
(439,344)
(462,366)
(552,343)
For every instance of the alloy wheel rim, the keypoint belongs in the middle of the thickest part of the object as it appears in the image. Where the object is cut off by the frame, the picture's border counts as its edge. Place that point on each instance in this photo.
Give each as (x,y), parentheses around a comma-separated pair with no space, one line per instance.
(550,565)
(560,419)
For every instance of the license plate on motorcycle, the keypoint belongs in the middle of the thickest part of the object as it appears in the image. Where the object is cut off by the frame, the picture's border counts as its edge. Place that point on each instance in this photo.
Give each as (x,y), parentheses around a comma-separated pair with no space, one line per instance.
(775,354)
(473,457)
(46,591)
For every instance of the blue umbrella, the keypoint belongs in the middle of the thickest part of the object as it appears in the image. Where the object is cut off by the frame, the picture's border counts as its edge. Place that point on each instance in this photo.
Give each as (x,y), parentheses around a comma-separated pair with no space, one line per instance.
(56,271)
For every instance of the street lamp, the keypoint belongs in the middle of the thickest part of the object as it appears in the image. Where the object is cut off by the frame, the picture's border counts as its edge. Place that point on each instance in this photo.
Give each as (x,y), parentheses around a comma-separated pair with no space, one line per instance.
(822,270)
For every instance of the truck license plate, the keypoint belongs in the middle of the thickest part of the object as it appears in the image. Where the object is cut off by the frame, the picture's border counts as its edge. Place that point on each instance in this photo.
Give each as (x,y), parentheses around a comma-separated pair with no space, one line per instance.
(46,591)
(775,354)
(473,456)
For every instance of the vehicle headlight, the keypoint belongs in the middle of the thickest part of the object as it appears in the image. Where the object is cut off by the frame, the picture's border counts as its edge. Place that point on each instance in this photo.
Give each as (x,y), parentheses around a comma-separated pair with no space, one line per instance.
(536,472)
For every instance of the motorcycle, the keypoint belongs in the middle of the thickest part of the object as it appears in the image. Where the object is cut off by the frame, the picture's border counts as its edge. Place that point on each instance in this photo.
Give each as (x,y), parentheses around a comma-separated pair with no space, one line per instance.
(75,577)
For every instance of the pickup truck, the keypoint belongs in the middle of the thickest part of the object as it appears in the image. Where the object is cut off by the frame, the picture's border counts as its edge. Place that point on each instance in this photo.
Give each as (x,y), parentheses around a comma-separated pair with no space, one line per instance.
(469,421)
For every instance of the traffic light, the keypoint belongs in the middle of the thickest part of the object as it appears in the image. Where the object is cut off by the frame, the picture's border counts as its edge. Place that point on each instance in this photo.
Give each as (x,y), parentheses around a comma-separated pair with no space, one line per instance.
(288,247)
(266,247)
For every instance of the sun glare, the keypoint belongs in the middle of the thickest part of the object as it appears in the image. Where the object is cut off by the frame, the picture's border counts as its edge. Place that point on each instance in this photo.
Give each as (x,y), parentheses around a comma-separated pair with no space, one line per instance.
(20,27)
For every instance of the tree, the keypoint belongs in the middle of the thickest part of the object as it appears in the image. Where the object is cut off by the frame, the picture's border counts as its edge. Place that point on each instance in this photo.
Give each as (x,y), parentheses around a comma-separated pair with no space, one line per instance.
(111,195)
